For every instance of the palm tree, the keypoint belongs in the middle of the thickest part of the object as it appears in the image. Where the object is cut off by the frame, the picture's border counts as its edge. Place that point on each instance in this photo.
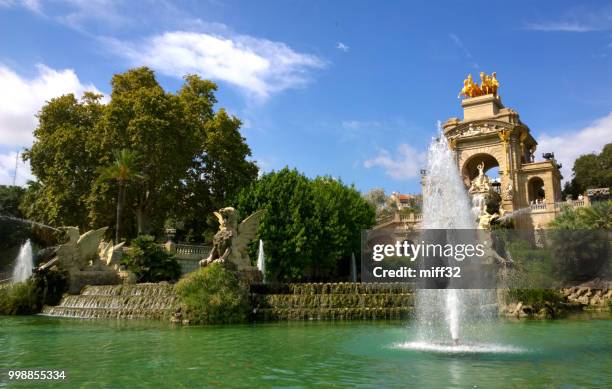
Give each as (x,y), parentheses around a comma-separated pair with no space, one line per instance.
(122,170)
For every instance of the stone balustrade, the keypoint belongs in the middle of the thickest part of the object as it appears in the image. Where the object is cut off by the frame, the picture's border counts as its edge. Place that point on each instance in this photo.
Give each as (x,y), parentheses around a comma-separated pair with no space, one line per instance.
(411,218)
(558,206)
(187,255)
(187,251)
(538,207)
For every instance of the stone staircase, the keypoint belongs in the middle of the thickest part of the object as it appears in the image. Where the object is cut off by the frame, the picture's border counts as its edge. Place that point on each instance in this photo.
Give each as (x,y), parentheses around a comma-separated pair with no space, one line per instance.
(332,301)
(140,301)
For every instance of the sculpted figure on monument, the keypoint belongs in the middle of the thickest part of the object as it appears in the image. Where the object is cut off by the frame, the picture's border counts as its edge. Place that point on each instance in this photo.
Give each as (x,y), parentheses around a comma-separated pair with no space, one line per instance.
(508,192)
(482,183)
(488,85)
(231,241)
(494,84)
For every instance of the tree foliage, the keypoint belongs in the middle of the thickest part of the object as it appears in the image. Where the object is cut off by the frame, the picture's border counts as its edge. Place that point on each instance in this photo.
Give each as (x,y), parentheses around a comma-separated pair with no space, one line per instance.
(10,197)
(591,171)
(597,216)
(384,205)
(581,242)
(28,297)
(149,262)
(311,227)
(189,158)
(63,158)
(122,170)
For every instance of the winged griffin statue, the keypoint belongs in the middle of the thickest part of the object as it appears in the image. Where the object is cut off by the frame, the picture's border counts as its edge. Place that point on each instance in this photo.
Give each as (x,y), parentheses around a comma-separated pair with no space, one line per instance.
(80,252)
(231,241)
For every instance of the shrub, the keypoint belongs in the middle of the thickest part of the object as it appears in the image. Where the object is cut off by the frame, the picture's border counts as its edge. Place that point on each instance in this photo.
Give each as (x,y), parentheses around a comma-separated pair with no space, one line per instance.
(598,217)
(149,262)
(535,297)
(51,285)
(213,295)
(26,298)
(20,299)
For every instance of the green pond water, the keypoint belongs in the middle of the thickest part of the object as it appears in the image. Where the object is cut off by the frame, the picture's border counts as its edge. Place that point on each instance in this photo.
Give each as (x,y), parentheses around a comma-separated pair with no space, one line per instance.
(564,353)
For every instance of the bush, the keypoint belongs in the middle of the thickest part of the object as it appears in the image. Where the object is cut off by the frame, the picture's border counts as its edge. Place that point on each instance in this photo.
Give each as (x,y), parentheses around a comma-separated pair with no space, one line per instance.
(535,297)
(213,295)
(20,299)
(149,262)
(596,217)
(27,298)
(51,285)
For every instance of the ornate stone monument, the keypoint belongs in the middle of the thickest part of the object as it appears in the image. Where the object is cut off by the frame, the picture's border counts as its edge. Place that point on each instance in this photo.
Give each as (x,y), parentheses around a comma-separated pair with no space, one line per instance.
(491,135)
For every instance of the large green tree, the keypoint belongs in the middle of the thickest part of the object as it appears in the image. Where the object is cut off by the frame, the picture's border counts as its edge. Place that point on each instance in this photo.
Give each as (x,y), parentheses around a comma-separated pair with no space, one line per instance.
(10,197)
(311,227)
(64,159)
(591,171)
(191,159)
(122,170)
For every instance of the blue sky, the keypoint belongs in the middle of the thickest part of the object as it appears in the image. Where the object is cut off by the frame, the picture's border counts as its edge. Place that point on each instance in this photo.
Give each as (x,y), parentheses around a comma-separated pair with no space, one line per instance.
(352,89)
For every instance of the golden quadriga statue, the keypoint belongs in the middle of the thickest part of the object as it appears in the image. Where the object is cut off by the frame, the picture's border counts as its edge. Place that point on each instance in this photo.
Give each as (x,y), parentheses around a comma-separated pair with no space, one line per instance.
(488,86)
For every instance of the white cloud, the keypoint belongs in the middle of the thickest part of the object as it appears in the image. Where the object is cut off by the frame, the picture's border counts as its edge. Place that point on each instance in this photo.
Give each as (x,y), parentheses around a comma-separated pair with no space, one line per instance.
(357,124)
(560,26)
(404,166)
(32,5)
(22,98)
(570,145)
(576,19)
(259,67)
(341,46)
(7,169)
(75,13)
(456,40)
(459,43)
(80,12)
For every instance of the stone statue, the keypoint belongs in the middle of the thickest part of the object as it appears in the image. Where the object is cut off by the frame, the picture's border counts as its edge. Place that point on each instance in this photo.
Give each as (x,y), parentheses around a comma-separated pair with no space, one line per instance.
(508,192)
(86,258)
(108,252)
(80,251)
(231,241)
(482,183)
(485,220)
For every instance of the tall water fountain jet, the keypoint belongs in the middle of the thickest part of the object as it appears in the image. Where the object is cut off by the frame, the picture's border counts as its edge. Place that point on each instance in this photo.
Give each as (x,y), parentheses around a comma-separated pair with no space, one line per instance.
(261,261)
(24,263)
(442,313)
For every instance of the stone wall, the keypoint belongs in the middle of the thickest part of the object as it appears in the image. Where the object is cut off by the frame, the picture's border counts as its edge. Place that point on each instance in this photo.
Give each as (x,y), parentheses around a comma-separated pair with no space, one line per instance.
(141,301)
(589,299)
(331,301)
(569,300)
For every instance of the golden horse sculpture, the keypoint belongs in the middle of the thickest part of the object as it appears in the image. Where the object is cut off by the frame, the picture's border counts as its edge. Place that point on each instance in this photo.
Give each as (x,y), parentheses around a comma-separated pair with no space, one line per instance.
(488,86)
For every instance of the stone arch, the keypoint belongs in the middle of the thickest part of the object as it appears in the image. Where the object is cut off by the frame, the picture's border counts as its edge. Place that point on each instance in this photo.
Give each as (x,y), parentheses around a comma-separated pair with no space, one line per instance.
(469,168)
(535,190)
(495,151)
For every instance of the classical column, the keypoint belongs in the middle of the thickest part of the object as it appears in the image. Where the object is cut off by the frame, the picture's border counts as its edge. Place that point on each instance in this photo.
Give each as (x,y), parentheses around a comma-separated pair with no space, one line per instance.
(504,135)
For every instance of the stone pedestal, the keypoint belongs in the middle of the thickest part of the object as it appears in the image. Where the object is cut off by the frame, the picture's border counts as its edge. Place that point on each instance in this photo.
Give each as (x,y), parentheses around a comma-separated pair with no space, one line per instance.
(78,279)
(250,276)
(481,107)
